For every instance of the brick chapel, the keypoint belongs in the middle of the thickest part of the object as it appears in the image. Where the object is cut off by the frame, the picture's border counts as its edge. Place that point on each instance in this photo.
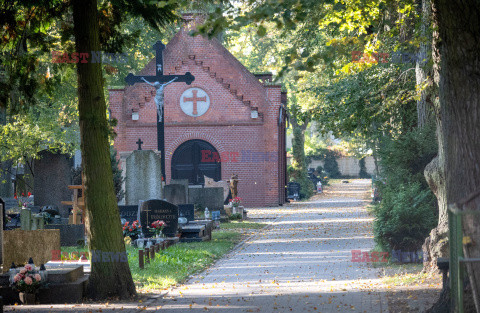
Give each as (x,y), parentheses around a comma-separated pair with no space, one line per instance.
(227,121)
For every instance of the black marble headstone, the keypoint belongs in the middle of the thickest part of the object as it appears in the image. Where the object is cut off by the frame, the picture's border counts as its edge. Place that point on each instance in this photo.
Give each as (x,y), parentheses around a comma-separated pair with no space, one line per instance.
(128,212)
(187,211)
(153,210)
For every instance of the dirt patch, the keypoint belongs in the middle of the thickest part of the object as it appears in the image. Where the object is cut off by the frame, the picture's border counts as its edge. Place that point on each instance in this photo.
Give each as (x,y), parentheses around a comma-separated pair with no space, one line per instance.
(408,290)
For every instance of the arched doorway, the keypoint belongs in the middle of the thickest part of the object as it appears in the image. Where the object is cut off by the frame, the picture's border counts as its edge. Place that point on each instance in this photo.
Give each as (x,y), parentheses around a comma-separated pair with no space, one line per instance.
(195,158)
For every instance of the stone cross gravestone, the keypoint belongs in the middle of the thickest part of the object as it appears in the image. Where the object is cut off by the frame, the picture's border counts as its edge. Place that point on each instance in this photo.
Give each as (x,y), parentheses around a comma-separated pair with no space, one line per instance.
(153,210)
(129,212)
(143,177)
(187,211)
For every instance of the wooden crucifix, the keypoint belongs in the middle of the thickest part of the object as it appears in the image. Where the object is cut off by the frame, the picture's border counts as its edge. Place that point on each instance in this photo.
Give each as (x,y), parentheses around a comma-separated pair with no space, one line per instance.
(159,81)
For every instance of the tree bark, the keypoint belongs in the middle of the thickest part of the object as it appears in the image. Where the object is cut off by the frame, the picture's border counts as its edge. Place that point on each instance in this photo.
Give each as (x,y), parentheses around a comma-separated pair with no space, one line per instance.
(299,163)
(457,44)
(110,273)
(6,189)
(422,67)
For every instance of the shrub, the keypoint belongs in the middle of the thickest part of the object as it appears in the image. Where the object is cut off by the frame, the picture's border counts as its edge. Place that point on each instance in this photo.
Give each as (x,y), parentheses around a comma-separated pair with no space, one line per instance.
(299,166)
(331,164)
(76,175)
(408,210)
(363,169)
(404,217)
(322,175)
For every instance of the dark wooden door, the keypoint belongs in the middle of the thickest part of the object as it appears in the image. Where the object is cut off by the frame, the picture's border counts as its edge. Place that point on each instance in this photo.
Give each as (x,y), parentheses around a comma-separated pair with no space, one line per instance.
(195,158)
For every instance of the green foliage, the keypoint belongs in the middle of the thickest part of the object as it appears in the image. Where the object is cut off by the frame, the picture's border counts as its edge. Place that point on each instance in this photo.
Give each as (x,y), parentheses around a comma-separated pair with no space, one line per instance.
(175,264)
(236,216)
(299,166)
(117,175)
(322,175)
(363,169)
(52,127)
(408,210)
(405,216)
(242,225)
(403,158)
(331,165)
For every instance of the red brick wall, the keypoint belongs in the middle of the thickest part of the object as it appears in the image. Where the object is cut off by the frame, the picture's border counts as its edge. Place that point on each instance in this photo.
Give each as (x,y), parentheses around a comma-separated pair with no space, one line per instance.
(227,125)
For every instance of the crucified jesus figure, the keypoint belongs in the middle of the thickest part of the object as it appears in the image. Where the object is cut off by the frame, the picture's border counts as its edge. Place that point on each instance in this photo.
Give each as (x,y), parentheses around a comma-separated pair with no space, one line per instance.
(159,95)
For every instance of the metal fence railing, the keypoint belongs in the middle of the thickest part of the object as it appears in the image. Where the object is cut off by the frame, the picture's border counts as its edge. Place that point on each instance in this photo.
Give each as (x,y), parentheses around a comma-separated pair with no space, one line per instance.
(457,259)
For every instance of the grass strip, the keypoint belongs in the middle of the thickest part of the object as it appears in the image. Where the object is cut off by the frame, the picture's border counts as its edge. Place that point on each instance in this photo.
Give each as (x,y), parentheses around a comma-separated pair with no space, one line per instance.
(177,263)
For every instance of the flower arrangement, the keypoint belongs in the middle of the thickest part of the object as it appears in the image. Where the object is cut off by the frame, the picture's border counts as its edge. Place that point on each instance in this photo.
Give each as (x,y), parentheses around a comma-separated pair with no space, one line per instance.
(235,202)
(133,230)
(27,280)
(22,201)
(157,227)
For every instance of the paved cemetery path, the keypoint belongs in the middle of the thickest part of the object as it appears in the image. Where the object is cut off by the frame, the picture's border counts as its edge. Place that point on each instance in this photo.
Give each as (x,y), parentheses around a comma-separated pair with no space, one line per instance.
(302,263)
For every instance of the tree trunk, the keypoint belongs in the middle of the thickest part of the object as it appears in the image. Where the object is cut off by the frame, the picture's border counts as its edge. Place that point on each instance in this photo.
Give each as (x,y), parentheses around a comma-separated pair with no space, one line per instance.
(422,67)
(6,189)
(299,163)
(458,116)
(110,274)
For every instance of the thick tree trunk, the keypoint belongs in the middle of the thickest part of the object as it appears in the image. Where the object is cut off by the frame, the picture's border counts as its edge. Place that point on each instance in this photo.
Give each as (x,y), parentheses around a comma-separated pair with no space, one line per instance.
(436,245)
(110,274)
(458,116)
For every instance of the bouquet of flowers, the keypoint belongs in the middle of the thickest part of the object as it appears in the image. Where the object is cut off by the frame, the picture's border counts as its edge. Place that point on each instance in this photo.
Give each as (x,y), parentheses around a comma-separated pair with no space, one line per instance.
(133,230)
(22,201)
(235,202)
(27,280)
(157,227)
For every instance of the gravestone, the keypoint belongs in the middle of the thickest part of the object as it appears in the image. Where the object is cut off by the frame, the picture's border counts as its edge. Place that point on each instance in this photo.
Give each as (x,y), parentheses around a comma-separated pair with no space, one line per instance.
(293,190)
(37,244)
(143,177)
(175,193)
(52,177)
(210,182)
(70,234)
(187,211)
(130,213)
(153,210)
(212,198)
(183,182)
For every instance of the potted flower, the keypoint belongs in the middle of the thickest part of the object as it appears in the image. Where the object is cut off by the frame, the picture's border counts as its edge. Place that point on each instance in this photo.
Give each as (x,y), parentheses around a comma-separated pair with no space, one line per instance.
(235,202)
(22,200)
(133,231)
(157,227)
(27,282)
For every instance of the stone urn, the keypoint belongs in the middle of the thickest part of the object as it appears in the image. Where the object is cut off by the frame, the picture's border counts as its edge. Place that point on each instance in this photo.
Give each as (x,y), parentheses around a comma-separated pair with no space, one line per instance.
(27,298)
